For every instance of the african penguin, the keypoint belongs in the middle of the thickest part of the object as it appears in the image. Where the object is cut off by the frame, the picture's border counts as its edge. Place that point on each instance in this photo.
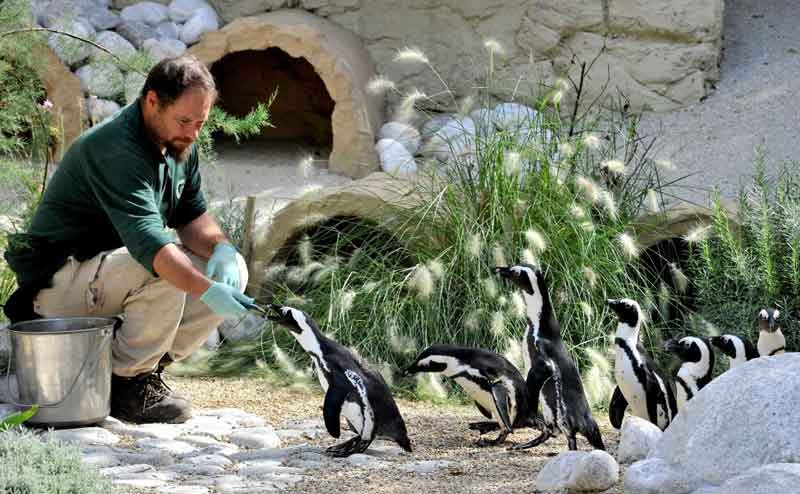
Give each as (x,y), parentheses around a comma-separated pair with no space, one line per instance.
(351,388)
(489,379)
(738,350)
(640,384)
(697,367)
(770,337)
(553,377)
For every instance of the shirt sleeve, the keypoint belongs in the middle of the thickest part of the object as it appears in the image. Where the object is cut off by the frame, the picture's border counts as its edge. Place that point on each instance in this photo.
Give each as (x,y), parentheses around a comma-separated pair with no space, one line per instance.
(125,192)
(192,203)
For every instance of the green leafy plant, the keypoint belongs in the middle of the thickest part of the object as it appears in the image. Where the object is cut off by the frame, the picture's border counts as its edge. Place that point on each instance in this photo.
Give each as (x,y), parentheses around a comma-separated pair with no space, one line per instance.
(18,418)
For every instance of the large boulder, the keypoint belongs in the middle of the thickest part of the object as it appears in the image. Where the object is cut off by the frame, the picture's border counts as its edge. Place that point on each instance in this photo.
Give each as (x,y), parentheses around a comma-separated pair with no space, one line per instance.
(744,419)
(579,471)
(770,479)
(637,439)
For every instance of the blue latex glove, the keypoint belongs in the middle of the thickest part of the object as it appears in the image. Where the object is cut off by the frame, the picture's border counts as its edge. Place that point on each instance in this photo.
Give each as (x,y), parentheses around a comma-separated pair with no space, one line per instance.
(225,300)
(222,265)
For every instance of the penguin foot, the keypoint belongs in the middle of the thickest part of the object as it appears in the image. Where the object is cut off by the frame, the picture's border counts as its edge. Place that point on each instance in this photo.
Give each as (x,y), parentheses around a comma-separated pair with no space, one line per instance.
(484,427)
(543,437)
(482,443)
(352,446)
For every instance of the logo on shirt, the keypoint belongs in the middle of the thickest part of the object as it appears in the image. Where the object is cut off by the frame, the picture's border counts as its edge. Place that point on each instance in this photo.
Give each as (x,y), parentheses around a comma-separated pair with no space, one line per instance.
(179,188)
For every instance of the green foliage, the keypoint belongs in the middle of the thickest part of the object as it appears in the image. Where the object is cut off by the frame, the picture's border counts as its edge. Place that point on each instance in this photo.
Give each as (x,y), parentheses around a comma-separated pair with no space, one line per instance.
(35,466)
(741,267)
(17,418)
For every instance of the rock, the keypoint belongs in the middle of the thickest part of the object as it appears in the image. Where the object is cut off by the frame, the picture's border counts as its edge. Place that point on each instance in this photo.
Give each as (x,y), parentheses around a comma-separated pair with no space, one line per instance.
(150,13)
(114,43)
(205,460)
(395,158)
(168,30)
(756,400)
(769,479)
(153,457)
(210,426)
(103,80)
(454,140)
(183,10)
(203,21)
(248,327)
(162,431)
(366,461)
(69,50)
(120,4)
(693,20)
(170,446)
(637,439)
(235,416)
(426,467)
(579,471)
(134,82)
(403,133)
(102,19)
(655,476)
(195,469)
(256,438)
(100,457)
(136,32)
(510,116)
(125,469)
(183,489)
(99,109)
(159,49)
(85,436)
(430,127)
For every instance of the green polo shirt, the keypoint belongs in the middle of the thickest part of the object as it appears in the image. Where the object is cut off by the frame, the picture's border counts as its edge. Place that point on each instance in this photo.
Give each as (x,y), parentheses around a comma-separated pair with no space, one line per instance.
(113,188)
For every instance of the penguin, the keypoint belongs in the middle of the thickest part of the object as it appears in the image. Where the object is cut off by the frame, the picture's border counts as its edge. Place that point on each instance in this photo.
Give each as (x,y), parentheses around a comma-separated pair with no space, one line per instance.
(553,377)
(697,367)
(738,350)
(496,386)
(770,337)
(640,384)
(351,388)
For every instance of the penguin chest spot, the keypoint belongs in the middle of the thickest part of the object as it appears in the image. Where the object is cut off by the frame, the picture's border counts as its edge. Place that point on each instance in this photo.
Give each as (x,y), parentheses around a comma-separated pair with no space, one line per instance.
(630,386)
(480,395)
(354,415)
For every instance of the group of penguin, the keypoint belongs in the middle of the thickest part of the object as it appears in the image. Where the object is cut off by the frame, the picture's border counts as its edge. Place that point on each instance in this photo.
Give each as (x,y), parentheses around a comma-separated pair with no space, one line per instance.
(506,399)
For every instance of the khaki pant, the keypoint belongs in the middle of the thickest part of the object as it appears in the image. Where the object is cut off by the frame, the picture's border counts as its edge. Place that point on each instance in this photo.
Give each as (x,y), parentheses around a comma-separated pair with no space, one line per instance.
(159,318)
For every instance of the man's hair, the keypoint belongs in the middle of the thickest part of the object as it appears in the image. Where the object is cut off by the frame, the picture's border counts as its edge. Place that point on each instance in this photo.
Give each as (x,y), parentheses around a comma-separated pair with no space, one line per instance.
(171,77)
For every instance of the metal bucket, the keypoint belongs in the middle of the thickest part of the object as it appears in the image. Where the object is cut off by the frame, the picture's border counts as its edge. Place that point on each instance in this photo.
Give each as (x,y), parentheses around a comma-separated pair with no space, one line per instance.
(63,366)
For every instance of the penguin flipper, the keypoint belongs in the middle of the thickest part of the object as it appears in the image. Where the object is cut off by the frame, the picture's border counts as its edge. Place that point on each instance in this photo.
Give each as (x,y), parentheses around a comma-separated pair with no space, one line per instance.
(332,407)
(483,411)
(616,408)
(500,395)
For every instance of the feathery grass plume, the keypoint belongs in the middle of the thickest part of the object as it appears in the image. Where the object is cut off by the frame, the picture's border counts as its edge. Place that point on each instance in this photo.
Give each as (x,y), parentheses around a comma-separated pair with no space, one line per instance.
(499,256)
(311,219)
(490,286)
(614,167)
(609,204)
(380,84)
(592,141)
(371,286)
(323,274)
(296,301)
(588,188)
(697,234)
(665,165)
(387,372)
(559,171)
(311,268)
(407,109)
(587,226)
(557,97)
(411,54)
(498,326)
(518,308)
(586,309)
(652,201)
(346,301)
(429,386)
(566,149)
(515,354)
(590,276)
(493,46)
(664,297)
(285,363)
(297,275)
(421,281)
(679,279)
(474,245)
(628,245)
(536,240)
(709,329)
(472,321)
(304,250)
(436,268)
(577,212)
(598,383)
(528,257)
(274,272)
(512,162)
(305,167)
(520,208)
(466,106)
(401,344)
(562,296)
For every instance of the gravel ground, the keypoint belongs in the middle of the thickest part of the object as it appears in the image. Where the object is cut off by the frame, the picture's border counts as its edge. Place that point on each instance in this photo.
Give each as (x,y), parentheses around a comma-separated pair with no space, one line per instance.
(438,432)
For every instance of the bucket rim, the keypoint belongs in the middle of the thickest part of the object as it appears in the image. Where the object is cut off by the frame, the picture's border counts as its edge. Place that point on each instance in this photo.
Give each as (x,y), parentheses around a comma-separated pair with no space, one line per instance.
(94,324)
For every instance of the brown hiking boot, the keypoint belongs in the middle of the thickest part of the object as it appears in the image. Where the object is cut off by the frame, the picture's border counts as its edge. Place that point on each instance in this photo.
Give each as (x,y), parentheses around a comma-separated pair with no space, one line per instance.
(146,398)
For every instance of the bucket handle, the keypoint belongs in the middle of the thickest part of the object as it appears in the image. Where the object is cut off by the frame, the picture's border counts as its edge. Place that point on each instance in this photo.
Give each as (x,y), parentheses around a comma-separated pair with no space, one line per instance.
(118,320)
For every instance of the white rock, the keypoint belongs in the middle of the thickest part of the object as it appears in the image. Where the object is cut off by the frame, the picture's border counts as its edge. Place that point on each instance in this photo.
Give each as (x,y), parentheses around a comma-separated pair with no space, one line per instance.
(99,457)
(509,116)
(454,140)
(170,446)
(264,454)
(102,19)
(234,416)
(203,21)
(194,469)
(426,467)
(136,32)
(655,476)
(769,479)
(222,449)
(259,468)
(364,460)
(168,30)
(182,10)
(216,460)
(209,426)
(124,469)
(134,82)
(85,436)
(99,109)
(385,451)
(248,327)
(103,80)
(198,440)
(403,133)
(151,13)
(162,431)
(153,457)
(140,483)
(637,439)
(159,49)
(579,471)
(435,123)
(256,438)
(69,50)
(183,489)
(114,43)
(395,158)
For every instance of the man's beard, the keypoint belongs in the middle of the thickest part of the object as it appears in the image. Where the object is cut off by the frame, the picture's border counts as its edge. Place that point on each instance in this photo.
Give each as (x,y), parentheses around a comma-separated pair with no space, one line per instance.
(178,154)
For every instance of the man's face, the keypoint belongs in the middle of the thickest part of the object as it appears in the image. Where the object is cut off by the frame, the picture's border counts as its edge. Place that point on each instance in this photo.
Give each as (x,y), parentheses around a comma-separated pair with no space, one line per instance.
(177,126)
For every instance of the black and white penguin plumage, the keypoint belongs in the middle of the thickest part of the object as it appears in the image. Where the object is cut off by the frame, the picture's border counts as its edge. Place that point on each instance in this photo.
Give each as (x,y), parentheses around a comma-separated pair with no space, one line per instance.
(640,383)
(770,337)
(351,388)
(738,350)
(553,378)
(697,366)
(496,386)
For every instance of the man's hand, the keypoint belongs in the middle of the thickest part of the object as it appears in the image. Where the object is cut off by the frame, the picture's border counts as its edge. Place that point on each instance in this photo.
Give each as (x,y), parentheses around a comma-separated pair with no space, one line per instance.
(225,300)
(222,266)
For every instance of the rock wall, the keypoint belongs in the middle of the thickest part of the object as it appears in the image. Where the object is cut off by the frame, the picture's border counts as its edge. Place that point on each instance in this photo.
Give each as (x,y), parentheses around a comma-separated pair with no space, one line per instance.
(663,54)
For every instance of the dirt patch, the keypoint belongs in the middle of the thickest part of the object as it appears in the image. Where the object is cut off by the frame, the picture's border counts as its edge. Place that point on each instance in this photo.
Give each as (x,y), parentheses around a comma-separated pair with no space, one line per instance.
(438,432)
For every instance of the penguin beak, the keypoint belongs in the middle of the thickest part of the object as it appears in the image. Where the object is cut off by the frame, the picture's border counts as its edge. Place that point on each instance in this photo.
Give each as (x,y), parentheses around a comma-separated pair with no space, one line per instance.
(716,341)
(672,345)
(504,272)
(613,304)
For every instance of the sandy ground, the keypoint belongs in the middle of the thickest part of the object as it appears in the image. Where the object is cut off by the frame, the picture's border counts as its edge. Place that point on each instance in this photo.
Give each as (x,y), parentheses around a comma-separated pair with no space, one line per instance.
(438,432)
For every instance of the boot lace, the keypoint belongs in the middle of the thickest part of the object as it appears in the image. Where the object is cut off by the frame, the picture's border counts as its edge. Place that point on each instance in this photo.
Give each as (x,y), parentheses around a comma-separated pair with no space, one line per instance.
(155,389)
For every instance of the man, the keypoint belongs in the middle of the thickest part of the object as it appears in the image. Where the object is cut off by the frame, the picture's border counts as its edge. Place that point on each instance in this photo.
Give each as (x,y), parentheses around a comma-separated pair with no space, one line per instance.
(98,244)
